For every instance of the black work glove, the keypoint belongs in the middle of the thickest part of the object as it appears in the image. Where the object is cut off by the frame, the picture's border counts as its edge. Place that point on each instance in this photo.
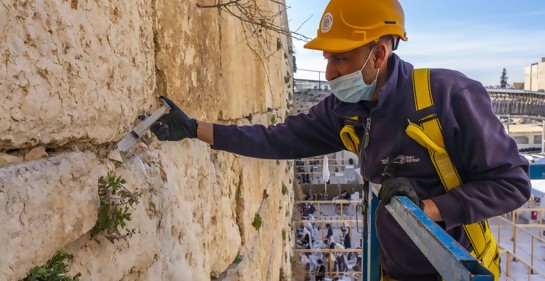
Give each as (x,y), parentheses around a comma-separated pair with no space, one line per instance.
(398,186)
(175,125)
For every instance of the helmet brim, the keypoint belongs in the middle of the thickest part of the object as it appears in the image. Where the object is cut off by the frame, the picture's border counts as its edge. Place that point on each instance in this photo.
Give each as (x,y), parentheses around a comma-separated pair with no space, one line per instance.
(333,45)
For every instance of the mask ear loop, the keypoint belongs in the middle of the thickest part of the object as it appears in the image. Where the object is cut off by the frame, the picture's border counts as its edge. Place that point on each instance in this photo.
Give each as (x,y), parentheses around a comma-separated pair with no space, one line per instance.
(364,64)
(368,57)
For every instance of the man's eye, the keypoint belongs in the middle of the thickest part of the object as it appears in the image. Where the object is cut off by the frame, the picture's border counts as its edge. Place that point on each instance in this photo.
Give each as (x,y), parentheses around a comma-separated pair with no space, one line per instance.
(335,58)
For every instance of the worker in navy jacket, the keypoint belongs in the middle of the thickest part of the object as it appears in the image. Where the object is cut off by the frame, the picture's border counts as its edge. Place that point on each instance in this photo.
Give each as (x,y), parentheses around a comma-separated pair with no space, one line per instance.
(368,80)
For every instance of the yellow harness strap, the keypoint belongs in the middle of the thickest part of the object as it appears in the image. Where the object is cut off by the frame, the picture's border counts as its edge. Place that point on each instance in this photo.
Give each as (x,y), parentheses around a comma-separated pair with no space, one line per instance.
(349,136)
(428,134)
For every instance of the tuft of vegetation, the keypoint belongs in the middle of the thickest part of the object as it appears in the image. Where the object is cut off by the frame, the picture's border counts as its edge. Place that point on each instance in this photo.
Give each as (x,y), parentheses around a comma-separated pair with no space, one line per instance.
(55,269)
(238,258)
(113,215)
(257,221)
(278,43)
(287,78)
(284,189)
(283,234)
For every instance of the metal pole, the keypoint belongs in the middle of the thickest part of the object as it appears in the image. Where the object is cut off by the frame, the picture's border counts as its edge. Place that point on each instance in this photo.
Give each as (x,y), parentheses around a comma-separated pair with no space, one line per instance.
(514,237)
(499,231)
(370,264)
(532,254)
(319,82)
(509,118)
(543,138)
(508,264)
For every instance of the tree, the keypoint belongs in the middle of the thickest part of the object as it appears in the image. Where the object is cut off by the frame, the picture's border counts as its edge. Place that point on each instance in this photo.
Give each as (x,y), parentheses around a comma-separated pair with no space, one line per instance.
(503,79)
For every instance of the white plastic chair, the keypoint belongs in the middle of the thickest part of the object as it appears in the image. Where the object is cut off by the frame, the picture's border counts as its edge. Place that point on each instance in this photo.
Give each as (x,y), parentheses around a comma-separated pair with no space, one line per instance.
(351,263)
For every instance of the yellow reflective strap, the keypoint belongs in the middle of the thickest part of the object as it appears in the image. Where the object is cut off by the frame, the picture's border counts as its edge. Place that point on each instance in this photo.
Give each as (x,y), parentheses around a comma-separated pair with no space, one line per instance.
(349,137)
(416,133)
(443,166)
(423,99)
(429,135)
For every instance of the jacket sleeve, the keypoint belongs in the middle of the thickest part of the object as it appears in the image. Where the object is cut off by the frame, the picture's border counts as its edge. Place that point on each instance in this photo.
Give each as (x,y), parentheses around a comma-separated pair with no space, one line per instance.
(300,136)
(494,175)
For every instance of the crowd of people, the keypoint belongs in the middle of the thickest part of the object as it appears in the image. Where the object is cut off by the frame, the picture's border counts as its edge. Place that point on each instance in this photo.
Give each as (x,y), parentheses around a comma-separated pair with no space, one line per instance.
(321,264)
(311,172)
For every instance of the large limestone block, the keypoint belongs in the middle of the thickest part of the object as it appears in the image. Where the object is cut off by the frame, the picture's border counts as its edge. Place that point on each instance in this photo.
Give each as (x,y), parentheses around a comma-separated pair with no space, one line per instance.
(45,204)
(257,61)
(203,223)
(188,56)
(185,224)
(73,70)
(137,257)
(216,69)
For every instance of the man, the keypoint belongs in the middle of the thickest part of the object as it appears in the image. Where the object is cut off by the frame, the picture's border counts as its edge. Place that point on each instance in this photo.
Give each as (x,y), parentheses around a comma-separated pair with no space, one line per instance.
(329,233)
(346,238)
(369,81)
(306,238)
(320,271)
(339,263)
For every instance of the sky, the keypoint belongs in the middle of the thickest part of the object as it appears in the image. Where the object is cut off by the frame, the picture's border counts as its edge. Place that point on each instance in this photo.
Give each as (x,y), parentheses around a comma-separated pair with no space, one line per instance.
(478,38)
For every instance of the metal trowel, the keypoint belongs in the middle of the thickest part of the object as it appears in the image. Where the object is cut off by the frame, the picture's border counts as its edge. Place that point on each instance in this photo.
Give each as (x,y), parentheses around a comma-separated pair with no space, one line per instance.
(131,137)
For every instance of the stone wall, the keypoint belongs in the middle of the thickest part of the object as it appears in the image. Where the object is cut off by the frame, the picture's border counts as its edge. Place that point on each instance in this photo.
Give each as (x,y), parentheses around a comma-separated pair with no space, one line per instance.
(74,75)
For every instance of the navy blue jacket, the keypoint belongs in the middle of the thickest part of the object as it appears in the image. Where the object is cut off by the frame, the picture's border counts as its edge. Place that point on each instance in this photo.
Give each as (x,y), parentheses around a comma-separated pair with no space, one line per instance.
(494,175)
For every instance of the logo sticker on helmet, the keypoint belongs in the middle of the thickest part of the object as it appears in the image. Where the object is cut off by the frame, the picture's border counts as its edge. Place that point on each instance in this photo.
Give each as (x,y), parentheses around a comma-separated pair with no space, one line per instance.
(327,22)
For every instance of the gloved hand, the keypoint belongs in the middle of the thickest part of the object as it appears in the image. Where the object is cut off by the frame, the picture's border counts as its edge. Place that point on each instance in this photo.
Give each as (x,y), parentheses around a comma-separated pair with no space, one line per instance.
(175,125)
(398,186)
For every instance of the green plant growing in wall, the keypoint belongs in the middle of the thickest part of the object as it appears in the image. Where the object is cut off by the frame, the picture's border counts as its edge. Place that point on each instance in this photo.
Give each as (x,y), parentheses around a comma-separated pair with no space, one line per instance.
(284,189)
(257,221)
(287,78)
(54,269)
(238,258)
(113,215)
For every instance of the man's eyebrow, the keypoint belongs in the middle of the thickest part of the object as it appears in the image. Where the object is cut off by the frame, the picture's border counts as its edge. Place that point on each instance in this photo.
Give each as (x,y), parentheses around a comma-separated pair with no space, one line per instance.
(333,55)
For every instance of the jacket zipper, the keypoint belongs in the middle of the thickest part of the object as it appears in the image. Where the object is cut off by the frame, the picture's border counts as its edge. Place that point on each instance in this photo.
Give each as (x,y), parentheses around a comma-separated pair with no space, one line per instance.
(365,143)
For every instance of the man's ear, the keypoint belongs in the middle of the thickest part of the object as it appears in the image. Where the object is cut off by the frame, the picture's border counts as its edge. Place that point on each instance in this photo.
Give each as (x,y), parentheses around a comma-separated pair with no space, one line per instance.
(381,55)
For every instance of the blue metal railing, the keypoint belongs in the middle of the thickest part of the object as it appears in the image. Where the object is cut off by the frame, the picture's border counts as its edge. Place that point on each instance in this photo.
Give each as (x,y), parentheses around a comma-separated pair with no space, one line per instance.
(449,258)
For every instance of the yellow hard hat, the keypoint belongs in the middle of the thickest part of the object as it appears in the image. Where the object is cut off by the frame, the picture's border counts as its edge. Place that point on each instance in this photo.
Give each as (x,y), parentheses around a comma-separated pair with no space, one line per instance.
(348,24)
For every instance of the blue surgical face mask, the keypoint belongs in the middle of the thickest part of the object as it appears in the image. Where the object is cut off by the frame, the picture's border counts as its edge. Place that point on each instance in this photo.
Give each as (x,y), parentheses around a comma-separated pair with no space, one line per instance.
(351,88)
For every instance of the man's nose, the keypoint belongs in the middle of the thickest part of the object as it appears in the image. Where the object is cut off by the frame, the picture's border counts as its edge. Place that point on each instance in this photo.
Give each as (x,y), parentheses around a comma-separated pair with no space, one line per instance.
(331,72)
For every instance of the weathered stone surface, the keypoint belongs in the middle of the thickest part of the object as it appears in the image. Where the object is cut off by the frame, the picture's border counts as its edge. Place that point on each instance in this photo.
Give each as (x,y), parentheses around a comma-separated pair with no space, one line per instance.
(9,159)
(45,204)
(73,70)
(36,153)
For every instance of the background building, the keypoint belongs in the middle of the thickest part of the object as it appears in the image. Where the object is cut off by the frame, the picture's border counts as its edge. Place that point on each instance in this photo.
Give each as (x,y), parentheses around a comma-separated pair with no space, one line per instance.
(534,76)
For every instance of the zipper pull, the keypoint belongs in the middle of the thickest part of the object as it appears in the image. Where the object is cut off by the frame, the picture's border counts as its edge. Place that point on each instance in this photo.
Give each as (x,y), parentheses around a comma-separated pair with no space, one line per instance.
(366,134)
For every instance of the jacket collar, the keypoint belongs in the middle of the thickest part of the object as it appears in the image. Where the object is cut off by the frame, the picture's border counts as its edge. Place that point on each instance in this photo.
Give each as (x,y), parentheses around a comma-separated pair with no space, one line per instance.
(399,73)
